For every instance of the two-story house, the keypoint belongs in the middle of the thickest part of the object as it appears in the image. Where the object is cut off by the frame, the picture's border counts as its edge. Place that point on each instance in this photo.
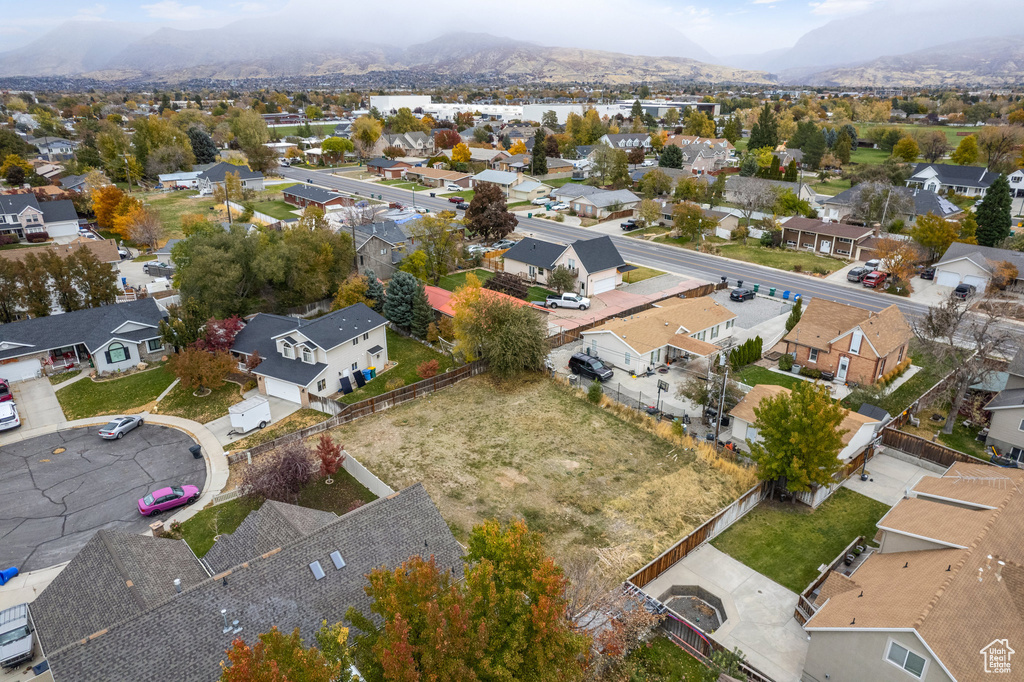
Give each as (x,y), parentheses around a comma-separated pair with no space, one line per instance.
(626,141)
(852,343)
(23,215)
(919,202)
(412,143)
(380,247)
(596,262)
(1006,412)
(1016,179)
(940,599)
(300,358)
(971,181)
(675,327)
(214,177)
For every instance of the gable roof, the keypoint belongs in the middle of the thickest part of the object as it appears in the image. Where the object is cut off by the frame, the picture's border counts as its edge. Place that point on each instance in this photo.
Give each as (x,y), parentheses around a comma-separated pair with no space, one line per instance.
(72,181)
(854,232)
(217,171)
(105,250)
(58,211)
(388,230)
(572,190)
(274,589)
(824,321)
(925,201)
(744,410)
(496,176)
(312,193)
(16,203)
(605,198)
(951,174)
(440,299)
(983,256)
(598,254)
(535,252)
(615,138)
(93,327)
(671,323)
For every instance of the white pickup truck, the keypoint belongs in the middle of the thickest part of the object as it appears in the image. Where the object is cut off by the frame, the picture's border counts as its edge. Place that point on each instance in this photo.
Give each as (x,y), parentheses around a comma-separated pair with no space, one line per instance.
(566,300)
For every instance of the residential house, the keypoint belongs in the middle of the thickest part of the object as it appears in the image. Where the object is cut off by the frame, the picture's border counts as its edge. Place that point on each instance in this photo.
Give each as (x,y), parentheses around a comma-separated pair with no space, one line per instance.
(1016,179)
(971,181)
(573,190)
(280,148)
(506,180)
(637,174)
(524,162)
(854,344)
(438,177)
(284,118)
(840,207)
(606,204)
(115,337)
(859,428)
(476,154)
(802,190)
(285,566)
(940,599)
(180,179)
(528,191)
(597,262)
(307,195)
(380,247)
(389,169)
(626,141)
(832,239)
(1006,412)
(701,159)
(73,183)
(343,129)
(54,148)
(718,143)
(975,265)
(214,177)
(417,144)
(23,215)
(301,358)
(675,328)
(725,222)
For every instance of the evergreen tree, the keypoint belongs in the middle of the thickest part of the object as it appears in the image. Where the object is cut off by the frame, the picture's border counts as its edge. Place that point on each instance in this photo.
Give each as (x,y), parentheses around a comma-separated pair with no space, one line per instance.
(748,166)
(814,149)
(374,291)
(399,300)
(671,157)
(791,172)
(540,159)
(765,133)
(203,147)
(422,313)
(637,111)
(795,314)
(994,213)
(831,137)
(851,132)
(732,130)
(842,148)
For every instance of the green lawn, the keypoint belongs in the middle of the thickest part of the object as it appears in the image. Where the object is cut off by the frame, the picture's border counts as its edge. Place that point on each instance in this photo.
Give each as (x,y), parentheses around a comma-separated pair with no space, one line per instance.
(752,375)
(144,257)
(660,660)
(866,155)
(276,209)
(344,495)
(787,542)
(950,131)
(57,379)
(559,182)
(831,187)
(181,403)
(780,259)
(641,273)
(88,398)
(965,439)
(409,354)
(931,371)
(319,129)
(517,204)
(453,282)
(16,245)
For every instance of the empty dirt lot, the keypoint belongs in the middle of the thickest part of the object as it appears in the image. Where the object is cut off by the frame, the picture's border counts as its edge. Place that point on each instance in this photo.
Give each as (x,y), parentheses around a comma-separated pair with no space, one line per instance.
(574,471)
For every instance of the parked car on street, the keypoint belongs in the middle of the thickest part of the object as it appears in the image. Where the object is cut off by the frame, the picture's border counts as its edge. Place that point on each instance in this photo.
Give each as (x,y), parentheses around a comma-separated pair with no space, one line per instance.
(964,291)
(462,205)
(167,498)
(590,367)
(5,391)
(9,418)
(540,201)
(503,244)
(456,200)
(120,426)
(874,279)
(629,225)
(741,295)
(928,273)
(15,636)
(566,300)
(857,274)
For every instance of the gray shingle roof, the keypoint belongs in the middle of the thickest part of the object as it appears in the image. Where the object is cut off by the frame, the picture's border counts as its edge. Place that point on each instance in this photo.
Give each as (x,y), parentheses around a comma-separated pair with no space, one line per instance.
(598,254)
(274,524)
(535,252)
(606,198)
(571,190)
(1012,397)
(72,181)
(217,171)
(924,201)
(951,174)
(56,211)
(16,203)
(984,256)
(116,575)
(389,231)
(275,590)
(385,163)
(92,326)
(311,193)
(1017,364)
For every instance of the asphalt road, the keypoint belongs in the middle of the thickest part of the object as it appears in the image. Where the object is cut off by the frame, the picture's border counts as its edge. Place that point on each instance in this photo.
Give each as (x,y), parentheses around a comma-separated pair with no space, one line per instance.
(658,256)
(51,503)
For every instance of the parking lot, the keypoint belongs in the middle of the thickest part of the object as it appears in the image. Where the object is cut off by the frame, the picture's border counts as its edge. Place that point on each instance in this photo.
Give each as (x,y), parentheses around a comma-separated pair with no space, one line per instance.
(57,490)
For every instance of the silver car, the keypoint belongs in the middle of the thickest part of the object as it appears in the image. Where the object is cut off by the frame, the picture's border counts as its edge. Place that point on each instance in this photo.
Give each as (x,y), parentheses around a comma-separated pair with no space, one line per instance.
(120,426)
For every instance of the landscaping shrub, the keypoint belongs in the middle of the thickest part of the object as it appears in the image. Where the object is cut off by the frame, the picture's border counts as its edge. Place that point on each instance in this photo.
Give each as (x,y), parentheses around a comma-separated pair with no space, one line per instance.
(392,384)
(595,392)
(432,332)
(559,218)
(786,362)
(746,353)
(798,268)
(6,239)
(810,372)
(36,237)
(818,270)
(427,369)
(895,373)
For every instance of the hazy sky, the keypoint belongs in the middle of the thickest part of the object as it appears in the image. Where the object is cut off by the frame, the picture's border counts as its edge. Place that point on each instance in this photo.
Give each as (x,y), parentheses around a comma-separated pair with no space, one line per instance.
(720,26)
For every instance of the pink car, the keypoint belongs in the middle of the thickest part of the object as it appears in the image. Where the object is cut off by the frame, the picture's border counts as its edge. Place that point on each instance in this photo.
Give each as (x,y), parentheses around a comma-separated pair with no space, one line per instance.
(5,391)
(167,498)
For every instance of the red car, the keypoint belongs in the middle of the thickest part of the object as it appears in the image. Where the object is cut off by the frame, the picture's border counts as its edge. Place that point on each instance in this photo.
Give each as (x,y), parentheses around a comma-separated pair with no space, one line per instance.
(167,498)
(455,200)
(874,279)
(5,391)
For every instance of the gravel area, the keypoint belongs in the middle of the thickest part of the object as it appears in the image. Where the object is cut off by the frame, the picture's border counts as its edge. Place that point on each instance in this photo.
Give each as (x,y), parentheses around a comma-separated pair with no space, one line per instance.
(754,311)
(653,285)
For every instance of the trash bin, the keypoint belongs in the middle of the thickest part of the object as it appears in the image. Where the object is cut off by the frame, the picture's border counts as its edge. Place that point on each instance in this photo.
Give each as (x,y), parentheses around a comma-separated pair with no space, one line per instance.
(785,295)
(756,287)
(8,574)
(373,372)
(796,296)
(197,451)
(529,215)
(771,292)
(366,374)
(432,195)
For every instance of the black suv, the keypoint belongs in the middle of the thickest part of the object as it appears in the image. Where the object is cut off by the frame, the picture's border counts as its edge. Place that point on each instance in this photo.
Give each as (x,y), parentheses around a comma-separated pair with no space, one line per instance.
(741,295)
(964,291)
(590,367)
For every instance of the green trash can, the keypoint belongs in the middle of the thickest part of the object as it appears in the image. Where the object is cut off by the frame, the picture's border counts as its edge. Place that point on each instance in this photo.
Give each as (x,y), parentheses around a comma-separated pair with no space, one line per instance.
(756,287)
(771,292)
(373,372)
(529,215)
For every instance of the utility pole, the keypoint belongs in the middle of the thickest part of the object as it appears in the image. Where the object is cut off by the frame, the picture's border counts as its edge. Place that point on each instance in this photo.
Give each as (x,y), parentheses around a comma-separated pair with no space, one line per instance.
(128,172)
(721,405)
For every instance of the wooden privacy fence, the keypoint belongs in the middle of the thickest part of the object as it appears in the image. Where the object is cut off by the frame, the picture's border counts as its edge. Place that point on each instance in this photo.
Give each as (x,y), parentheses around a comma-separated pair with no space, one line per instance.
(925,449)
(706,531)
(814,498)
(367,407)
(805,608)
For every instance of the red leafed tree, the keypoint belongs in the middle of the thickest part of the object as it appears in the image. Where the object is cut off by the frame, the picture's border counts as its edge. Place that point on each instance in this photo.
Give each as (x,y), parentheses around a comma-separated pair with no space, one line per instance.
(197,368)
(220,334)
(277,657)
(253,361)
(329,454)
(428,369)
(446,139)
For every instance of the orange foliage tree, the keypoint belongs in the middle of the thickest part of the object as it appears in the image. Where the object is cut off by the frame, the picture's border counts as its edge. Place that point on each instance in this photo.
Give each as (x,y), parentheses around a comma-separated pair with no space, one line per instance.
(105,200)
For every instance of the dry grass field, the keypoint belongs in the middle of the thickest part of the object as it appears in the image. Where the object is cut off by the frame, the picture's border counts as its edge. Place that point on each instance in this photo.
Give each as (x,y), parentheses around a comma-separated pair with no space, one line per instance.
(582,475)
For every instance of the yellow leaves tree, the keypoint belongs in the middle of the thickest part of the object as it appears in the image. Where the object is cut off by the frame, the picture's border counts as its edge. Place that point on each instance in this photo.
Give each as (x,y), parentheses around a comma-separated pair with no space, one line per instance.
(13,160)
(899,257)
(127,214)
(463,302)
(461,153)
(366,130)
(906,149)
(518,147)
(105,200)
(1004,274)
(352,291)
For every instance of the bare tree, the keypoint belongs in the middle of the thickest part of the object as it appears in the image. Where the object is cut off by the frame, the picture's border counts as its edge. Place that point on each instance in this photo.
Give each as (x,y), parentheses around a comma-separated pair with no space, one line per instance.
(880,202)
(146,229)
(996,144)
(975,344)
(280,475)
(750,195)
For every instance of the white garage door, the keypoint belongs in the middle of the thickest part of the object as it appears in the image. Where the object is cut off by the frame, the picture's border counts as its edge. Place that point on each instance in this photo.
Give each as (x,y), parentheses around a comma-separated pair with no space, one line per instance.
(282,389)
(20,370)
(979,282)
(603,285)
(946,278)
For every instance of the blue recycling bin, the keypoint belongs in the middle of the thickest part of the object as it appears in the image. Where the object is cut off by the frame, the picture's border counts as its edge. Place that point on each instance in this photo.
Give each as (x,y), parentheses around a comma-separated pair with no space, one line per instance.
(8,574)
(367,374)
(785,295)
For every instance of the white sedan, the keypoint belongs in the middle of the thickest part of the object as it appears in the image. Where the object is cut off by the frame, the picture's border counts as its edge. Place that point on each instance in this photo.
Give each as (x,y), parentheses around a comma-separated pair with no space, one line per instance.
(560,206)
(454,188)
(9,418)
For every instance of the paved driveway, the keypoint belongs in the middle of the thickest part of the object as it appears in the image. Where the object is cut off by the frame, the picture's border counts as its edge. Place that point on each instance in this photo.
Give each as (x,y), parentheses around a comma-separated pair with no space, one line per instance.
(279,409)
(51,503)
(37,406)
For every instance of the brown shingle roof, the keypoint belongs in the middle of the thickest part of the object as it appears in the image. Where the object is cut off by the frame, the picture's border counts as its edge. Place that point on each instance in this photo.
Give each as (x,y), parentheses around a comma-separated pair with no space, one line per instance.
(955,526)
(853,232)
(438,174)
(656,327)
(105,250)
(823,321)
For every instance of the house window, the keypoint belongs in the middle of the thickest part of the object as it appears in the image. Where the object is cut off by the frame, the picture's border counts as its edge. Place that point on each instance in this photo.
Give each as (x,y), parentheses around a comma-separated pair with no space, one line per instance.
(629,358)
(355,366)
(900,358)
(881,367)
(572,264)
(540,271)
(1021,427)
(858,336)
(287,350)
(906,659)
(117,352)
(714,332)
(153,345)
(813,355)
(307,355)
(321,385)
(366,336)
(355,341)
(655,356)
(729,324)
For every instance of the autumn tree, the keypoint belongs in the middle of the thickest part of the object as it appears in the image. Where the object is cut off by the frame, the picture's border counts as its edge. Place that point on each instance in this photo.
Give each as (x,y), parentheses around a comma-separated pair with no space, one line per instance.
(994,213)
(328,455)
(184,324)
(906,149)
(335,148)
(105,200)
(35,292)
(562,279)
(281,475)
(95,281)
(899,258)
(933,145)
(655,183)
(366,130)
(751,195)
(488,215)
(219,335)
(351,291)
(996,145)
(880,202)
(699,124)
(447,138)
(934,233)
(198,369)
(439,237)
(519,147)
(461,153)
(511,337)
(277,657)
(144,227)
(966,152)
(798,437)
(635,156)
(392,152)
(12,272)
(689,221)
